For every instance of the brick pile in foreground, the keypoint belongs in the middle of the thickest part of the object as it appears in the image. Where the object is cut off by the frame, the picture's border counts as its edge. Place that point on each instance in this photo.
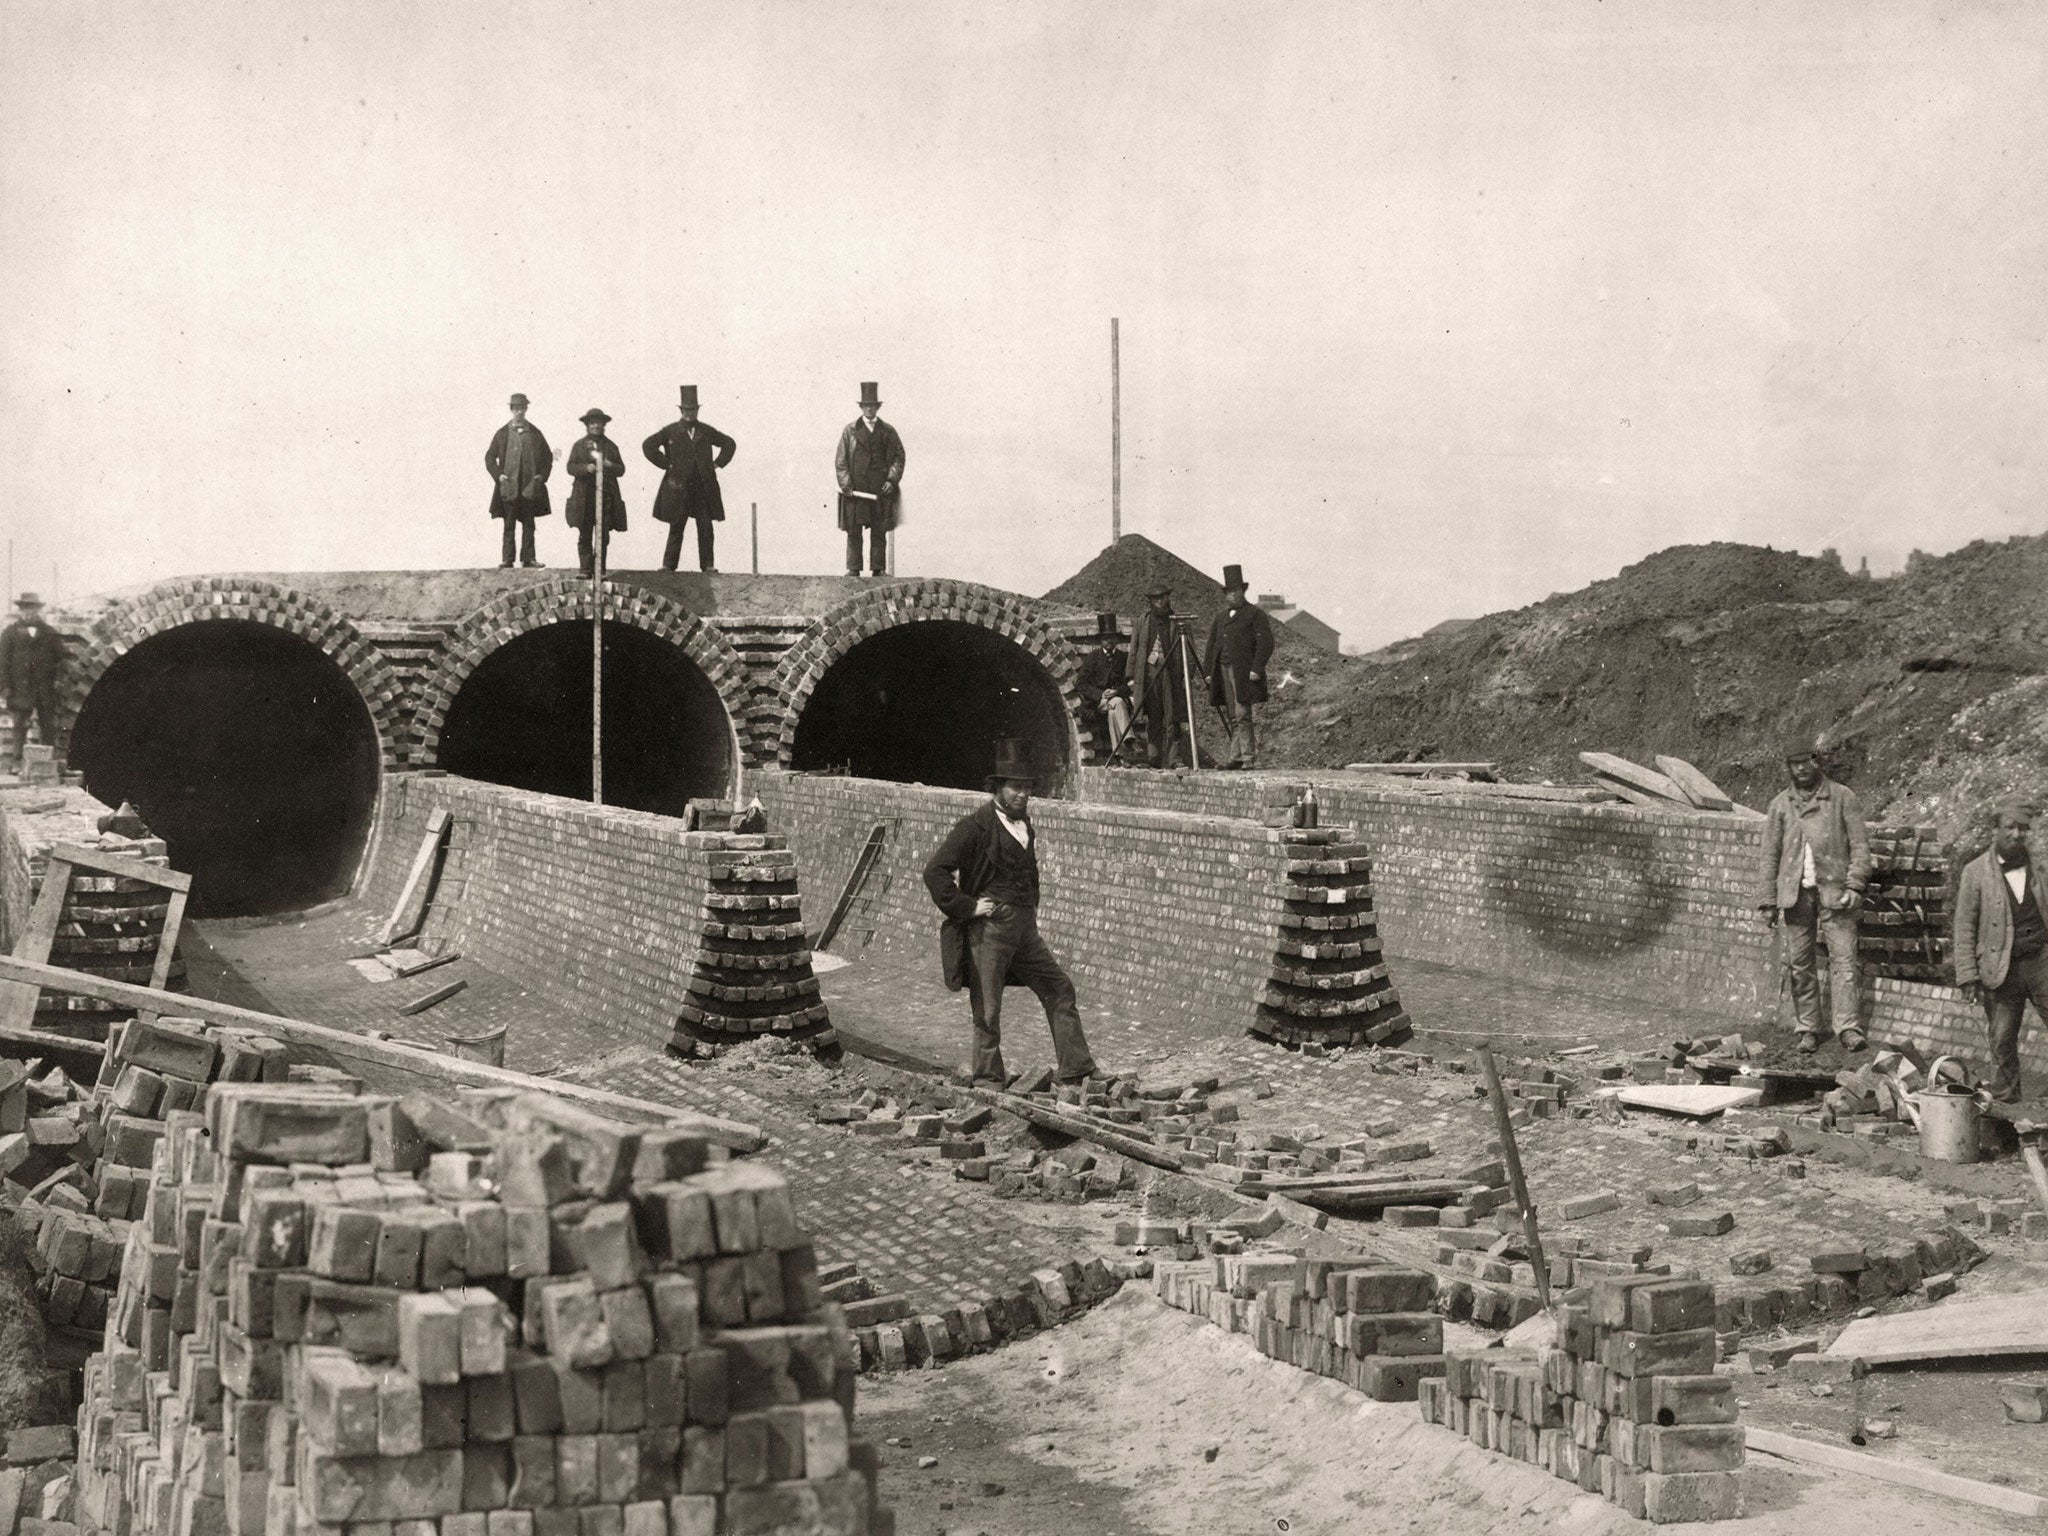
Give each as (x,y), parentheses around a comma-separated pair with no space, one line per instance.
(1629,1407)
(368,1316)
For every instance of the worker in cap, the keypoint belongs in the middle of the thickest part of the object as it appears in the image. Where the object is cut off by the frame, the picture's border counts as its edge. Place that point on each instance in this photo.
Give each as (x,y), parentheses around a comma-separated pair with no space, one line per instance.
(1161,669)
(869,464)
(1813,866)
(594,457)
(519,460)
(984,877)
(1104,686)
(689,453)
(2001,940)
(1240,646)
(31,655)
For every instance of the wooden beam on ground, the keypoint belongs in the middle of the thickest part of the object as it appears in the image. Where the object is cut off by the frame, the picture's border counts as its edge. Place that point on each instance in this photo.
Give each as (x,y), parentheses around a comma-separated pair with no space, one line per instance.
(434,998)
(1076,1126)
(736,1134)
(1905,1473)
(411,911)
(1414,770)
(2013,1324)
(1702,791)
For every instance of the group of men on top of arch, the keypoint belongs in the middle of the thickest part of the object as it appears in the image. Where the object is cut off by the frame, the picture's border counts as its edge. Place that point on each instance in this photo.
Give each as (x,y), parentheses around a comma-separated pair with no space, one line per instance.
(689,452)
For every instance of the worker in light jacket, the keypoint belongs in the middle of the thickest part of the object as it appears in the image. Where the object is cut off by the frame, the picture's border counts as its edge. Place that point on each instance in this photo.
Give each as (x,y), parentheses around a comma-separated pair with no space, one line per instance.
(985,879)
(2001,941)
(1814,865)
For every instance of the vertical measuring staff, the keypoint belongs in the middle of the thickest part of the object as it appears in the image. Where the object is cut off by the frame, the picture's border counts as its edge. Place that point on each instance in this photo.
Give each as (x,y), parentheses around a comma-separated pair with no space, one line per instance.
(1116,439)
(754,522)
(1184,645)
(604,539)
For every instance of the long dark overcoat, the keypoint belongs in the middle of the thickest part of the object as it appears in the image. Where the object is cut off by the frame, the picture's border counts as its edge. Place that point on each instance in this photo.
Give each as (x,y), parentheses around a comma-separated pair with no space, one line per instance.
(532,500)
(689,471)
(582,470)
(1240,644)
(868,461)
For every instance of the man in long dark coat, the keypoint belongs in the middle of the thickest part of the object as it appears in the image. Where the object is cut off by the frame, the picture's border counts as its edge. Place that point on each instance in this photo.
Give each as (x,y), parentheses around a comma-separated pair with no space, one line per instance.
(519,460)
(985,879)
(591,450)
(1104,686)
(1159,668)
(689,453)
(869,464)
(31,652)
(1240,645)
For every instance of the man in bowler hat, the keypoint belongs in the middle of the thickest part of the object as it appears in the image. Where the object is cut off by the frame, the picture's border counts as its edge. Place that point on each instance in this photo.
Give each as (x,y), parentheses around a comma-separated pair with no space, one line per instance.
(870,468)
(1160,669)
(519,460)
(594,451)
(689,453)
(985,879)
(31,652)
(1240,645)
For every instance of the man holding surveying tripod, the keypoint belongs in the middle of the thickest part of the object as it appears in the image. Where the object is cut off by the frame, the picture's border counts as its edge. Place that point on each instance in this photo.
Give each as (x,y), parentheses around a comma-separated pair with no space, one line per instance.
(1162,667)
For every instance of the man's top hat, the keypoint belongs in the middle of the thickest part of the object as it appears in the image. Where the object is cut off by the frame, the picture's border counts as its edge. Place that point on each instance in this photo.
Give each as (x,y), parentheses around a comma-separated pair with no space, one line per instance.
(28,600)
(593,415)
(1233,578)
(518,400)
(1013,758)
(689,398)
(871,393)
(1105,626)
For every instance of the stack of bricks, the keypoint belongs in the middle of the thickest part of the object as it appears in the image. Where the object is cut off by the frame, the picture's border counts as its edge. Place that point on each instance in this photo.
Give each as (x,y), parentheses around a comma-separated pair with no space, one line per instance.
(82,1216)
(753,970)
(1372,1326)
(1903,931)
(1626,1405)
(1329,980)
(368,1316)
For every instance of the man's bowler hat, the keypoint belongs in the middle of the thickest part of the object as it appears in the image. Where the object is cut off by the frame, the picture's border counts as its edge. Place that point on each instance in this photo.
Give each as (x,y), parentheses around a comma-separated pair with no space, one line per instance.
(593,415)
(28,600)
(518,400)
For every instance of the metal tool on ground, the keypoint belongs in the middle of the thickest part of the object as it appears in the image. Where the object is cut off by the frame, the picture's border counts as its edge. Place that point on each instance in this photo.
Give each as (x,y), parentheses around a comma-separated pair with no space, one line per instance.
(1517,1184)
(18,1003)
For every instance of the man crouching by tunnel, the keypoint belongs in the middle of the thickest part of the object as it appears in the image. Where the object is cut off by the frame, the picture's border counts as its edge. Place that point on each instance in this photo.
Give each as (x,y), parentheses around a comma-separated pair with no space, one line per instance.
(985,879)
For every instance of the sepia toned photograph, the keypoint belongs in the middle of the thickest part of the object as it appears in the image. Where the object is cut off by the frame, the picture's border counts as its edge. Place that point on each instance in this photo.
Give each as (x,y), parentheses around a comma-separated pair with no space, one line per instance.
(928,768)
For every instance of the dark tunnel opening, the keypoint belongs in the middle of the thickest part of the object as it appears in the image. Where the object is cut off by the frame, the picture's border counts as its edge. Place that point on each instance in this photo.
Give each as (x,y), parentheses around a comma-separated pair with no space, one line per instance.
(923,704)
(523,718)
(248,750)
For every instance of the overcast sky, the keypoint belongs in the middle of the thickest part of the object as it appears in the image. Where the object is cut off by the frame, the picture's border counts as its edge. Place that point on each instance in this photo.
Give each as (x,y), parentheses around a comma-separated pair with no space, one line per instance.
(1427,309)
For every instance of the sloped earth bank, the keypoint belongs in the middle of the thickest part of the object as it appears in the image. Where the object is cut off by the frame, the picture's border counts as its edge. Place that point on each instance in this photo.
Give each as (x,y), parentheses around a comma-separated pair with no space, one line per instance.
(1928,686)
(1141,1421)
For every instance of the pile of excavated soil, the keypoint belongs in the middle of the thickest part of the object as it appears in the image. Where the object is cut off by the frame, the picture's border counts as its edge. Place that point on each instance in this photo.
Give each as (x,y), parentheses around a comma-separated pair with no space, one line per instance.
(1928,688)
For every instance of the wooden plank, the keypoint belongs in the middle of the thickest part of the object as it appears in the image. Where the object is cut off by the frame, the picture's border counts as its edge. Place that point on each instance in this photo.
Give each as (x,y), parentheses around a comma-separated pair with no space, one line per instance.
(1905,1473)
(2013,1324)
(1698,1100)
(434,998)
(1340,1201)
(167,946)
(411,910)
(18,1004)
(1701,790)
(1417,769)
(737,1134)
(1085,1130)
(429,962)
(126,865)
(1645,780)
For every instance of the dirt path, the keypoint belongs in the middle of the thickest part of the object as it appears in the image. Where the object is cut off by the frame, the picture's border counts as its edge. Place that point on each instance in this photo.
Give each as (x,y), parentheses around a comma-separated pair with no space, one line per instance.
(1141,1421)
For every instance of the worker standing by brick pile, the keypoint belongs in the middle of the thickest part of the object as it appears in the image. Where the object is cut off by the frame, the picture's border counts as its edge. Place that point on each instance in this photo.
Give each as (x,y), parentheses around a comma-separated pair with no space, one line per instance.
(1814,864)
(2001,941)
(511,1318)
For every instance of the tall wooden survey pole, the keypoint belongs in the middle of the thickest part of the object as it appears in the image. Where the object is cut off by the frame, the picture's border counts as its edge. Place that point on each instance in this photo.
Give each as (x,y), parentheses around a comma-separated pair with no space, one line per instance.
(1116,439)
(603,542)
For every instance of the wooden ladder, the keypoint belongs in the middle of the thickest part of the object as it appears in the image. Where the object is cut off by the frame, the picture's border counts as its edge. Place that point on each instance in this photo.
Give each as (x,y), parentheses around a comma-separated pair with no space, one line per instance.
(863,866)
(18,1000)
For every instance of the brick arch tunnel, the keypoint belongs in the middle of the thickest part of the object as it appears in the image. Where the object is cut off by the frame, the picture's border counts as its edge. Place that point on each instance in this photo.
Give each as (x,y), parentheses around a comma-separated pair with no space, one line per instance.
(248,749)
(522,717)
(923,703)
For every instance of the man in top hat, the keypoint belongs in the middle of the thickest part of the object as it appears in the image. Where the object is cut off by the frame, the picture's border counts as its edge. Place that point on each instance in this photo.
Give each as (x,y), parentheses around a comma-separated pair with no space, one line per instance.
(2001,941)
(1814,862)
(1105,688)
(689,453)
(31,652)
(985,879)
(519,460)
(591,451)
(870,468)
(1160,667)
(1240,645)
